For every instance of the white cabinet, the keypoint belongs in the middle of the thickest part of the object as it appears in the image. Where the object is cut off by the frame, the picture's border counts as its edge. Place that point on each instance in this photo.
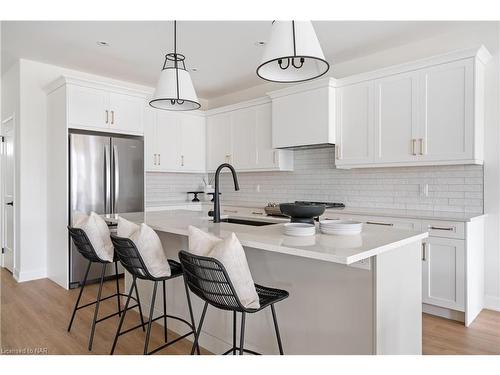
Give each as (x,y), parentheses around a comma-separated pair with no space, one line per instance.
(304,115)
(354,125)
(243,138)
(126,113)
(241,135)
(447,112)
(174,142)
(423,113)
(219,137)
(443,273)
(97,108)
(395,117)
(87,107)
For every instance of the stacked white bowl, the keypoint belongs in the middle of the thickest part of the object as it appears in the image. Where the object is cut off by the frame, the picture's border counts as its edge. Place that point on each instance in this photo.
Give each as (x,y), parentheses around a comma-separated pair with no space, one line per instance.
(299,229)
(340,227)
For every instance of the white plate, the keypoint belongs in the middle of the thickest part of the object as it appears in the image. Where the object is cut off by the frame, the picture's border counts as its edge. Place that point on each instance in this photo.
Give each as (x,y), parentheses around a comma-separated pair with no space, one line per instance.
(342,224)
(299,229)
(340,232)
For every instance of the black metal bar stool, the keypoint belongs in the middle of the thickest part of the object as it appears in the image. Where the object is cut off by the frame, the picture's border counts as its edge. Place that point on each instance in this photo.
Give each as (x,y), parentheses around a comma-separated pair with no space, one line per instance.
(208,279)
(132,261)
(85,248)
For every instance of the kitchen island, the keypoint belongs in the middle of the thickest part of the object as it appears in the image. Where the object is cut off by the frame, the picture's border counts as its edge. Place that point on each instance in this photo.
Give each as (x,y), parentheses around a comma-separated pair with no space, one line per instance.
(356,294)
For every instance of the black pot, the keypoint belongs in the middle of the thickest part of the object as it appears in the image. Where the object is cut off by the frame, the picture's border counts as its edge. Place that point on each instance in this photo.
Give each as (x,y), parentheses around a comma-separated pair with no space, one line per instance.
(302,213)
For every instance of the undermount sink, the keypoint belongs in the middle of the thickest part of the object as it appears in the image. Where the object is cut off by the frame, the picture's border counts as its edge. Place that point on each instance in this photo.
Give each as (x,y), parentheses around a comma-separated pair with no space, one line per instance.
(254,223)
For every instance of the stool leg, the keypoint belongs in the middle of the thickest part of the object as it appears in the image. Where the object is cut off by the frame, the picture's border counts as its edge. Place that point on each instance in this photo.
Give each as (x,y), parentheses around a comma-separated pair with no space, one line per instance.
(123,316)
(242,333)
(140,308)
(96,310)
(197,335)
(79,296)
(190,307)
(234,332)
(278,337)
(117,290)
(151,310)
(164,311)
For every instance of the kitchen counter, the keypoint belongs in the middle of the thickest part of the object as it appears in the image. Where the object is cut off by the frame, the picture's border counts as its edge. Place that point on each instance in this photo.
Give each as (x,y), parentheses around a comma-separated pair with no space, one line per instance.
(374,240)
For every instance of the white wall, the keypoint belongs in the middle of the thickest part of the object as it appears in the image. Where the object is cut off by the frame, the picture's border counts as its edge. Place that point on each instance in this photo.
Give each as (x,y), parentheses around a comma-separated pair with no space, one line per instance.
(488,33)
(10,106)
(31,156)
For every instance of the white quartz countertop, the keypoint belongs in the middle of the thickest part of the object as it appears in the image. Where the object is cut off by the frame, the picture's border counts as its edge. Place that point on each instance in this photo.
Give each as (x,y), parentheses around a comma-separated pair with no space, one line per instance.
(372,241)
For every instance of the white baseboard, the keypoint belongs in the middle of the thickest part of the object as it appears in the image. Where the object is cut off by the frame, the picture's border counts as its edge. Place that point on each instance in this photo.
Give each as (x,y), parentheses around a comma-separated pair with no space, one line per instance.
(492,303)
(22,276)
(459,316)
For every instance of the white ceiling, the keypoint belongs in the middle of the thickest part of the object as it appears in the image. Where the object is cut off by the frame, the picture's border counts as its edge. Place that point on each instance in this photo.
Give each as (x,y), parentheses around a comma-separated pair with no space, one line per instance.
(224,52)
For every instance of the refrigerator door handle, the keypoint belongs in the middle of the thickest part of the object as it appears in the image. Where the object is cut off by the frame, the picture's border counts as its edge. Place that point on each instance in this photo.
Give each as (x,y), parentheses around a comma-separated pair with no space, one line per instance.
(107,180)
(116,169)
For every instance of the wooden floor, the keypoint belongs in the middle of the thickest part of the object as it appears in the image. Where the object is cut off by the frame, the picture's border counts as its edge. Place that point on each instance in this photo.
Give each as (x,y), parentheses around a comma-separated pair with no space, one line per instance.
(35,315)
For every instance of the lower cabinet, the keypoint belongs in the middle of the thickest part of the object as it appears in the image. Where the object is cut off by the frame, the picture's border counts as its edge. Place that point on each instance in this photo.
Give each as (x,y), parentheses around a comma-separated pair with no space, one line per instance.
(452,262)
(443,272)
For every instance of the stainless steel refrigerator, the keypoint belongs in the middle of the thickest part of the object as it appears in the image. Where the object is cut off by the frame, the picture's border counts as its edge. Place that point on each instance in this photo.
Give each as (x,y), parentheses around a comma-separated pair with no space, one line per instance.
(106,176)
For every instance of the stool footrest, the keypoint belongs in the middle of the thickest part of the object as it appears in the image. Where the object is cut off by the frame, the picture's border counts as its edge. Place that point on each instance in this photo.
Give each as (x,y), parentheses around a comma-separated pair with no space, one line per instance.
(116,313)
(104,299)
(238,349)
(171,342)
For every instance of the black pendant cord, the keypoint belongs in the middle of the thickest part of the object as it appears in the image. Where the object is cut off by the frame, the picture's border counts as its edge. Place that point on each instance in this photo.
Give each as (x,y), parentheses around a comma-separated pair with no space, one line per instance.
(297,66)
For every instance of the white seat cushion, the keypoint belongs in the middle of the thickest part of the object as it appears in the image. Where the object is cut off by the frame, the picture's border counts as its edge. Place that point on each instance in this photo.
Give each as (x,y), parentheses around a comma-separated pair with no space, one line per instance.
(97,231)
(231,254)
(148,244)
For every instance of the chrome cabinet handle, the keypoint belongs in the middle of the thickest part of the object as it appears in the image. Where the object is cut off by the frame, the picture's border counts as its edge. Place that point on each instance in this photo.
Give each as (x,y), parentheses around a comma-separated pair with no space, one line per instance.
(159,159)
(274,157)
(413,146)
(424,258)
(154,159)
(231,211)
(182,160)
(377,223)
(421,146)
(441,228)
(257,213)
(112,117)
(107,116)
(107,180)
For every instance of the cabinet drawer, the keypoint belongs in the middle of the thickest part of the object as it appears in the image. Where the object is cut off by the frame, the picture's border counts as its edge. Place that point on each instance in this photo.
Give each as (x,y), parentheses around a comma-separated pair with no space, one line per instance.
(398,223)
(447,229)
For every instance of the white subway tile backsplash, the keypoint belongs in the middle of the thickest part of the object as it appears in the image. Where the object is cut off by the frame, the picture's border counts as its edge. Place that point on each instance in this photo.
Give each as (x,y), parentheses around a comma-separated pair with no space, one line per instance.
(455,188)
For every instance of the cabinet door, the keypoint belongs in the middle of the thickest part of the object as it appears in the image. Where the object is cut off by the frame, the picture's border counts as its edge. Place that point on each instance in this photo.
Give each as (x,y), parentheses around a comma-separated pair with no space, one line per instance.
(218,140)
(168,141)
(87,108)
(354,125)
(267,157)
(150,144)
(193,143)
(443,279)
(126,113)
(446,111)
(243,138)
(396,118)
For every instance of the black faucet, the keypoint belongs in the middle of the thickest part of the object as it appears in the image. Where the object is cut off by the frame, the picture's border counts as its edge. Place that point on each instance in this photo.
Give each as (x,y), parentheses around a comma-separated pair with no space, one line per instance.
(216,193)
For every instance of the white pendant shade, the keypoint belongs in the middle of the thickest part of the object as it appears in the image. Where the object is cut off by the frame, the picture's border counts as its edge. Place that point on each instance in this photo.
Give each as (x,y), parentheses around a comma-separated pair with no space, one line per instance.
(292,54)
(166,95)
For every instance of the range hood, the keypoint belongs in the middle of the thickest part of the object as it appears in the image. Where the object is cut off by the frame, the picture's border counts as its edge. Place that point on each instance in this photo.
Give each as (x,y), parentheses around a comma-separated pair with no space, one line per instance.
(303,116)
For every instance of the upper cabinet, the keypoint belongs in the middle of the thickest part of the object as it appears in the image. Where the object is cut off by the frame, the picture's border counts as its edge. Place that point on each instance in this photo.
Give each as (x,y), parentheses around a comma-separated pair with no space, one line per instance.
(303,115)
(100,107)
(423,113)
(174,142)
(241,135)
(354,123)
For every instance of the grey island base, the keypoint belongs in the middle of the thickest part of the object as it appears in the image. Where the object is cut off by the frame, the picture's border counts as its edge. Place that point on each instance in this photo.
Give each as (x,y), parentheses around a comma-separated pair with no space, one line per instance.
(348,294)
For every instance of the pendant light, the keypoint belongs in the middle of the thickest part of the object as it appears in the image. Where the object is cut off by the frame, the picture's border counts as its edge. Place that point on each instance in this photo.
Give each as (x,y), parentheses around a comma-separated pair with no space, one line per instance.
(292,54)
(175,90)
